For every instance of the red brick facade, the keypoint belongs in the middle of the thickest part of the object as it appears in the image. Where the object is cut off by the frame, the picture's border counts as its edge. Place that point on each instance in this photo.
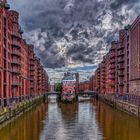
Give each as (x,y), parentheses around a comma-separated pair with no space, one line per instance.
(5,48)
(92,82)
(84,86)
(112,74)
(123,61)
(21,74)
(135,57)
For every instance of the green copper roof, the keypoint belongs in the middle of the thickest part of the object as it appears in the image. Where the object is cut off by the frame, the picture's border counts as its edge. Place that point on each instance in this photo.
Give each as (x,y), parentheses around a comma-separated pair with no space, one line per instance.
(68,78)
(7,6)
(21,31)
(127,27)
(0,3)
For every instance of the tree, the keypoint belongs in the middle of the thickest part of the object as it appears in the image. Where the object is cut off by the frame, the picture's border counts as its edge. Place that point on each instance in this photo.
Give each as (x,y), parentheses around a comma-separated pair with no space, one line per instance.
(59,87)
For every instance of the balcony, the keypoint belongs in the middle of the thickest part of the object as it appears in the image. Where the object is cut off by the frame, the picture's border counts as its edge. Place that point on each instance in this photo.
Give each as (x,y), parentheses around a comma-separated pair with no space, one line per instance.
(112,61)
(103,78)
(15,83)
(32,85)
(103,70)
(15,71)
(32,74)
(31,79)
(31,68)
(112,66)
(121,84)
(112,55)
(39,70)
(15,62)
(112,77)
(39,76)
(16,35)
(32,59)
(16,53)
(112,72)
(39,81)
(120,67)
(120,53)
(112,84)
(120,60)
(121,74)
(120,47)
(16,44)
(32,63)
(32,88)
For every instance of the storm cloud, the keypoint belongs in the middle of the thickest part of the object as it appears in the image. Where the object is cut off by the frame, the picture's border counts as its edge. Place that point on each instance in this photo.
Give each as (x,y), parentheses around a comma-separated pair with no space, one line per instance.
(73,28)
(73,32)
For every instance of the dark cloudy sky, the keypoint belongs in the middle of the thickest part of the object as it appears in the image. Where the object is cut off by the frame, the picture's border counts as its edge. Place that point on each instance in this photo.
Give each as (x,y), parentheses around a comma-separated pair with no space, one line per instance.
(73,34)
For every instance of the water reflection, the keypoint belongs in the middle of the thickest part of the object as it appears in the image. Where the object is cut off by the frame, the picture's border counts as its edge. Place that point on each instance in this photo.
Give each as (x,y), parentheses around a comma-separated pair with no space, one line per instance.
(117,125)
(90,120)
(71,122)
(26,127)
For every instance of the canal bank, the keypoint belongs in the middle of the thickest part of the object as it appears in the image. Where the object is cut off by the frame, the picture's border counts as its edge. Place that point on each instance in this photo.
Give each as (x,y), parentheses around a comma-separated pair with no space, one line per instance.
(123,105)
(8,114)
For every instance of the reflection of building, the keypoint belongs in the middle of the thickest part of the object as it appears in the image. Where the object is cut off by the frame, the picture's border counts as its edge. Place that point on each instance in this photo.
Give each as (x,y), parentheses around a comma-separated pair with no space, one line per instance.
(114,122)
(27,126)
(69,110)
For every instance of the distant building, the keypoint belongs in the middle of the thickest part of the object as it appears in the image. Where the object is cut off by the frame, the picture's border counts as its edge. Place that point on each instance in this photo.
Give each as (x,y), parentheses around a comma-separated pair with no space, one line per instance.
(70,86)
(69,83)
(84,86)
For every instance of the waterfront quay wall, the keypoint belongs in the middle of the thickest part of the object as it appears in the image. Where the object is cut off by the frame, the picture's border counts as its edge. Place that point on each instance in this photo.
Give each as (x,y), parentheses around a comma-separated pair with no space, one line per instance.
(7,114)
(122,104)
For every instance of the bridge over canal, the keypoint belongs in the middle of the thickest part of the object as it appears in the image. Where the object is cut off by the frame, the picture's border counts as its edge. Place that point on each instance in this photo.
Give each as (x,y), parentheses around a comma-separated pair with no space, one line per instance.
(82,93)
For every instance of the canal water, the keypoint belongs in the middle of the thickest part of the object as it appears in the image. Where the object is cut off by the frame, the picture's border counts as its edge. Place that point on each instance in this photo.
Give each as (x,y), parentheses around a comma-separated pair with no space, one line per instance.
(85,120)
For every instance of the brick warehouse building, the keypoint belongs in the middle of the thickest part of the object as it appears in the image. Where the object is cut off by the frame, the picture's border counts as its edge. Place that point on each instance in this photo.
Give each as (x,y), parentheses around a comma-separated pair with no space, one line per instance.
(124,72)
(21,74)
(135,57)
(112,74)
(113,68)
(84,86)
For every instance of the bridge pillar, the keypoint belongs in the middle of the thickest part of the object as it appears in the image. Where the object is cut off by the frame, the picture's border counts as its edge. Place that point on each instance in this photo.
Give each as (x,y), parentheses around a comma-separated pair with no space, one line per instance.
(59,97)
(97,97)
(45,97)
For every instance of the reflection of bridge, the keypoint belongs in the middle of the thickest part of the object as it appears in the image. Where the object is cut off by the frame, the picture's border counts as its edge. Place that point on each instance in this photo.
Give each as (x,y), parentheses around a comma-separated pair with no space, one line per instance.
(87,93)
(84,94)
